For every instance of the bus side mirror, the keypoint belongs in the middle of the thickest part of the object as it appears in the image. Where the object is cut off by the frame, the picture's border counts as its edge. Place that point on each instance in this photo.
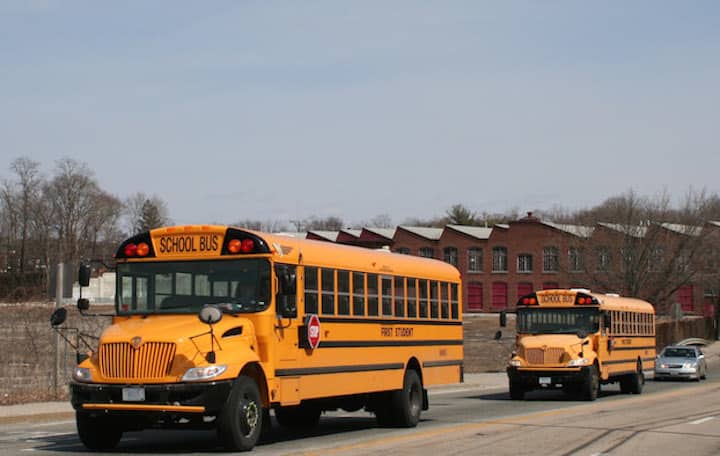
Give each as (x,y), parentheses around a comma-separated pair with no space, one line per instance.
(83,304)
(503,319)
(58,317)
(287,307)
(84,275)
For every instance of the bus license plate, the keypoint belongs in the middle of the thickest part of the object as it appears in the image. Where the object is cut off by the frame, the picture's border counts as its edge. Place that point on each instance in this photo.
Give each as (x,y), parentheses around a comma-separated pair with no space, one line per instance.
(133,394)
(545,380)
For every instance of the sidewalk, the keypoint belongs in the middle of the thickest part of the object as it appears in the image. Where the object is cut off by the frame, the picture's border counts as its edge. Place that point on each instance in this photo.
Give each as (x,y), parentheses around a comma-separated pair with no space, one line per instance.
(42,411)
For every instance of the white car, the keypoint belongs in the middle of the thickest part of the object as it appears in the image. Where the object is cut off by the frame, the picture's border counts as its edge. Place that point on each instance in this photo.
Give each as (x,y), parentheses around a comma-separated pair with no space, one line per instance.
(680,361)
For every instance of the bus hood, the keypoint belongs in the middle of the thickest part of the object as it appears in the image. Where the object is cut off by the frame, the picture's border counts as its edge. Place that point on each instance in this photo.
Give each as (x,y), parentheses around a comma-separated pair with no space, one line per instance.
(549,349)
(171,328)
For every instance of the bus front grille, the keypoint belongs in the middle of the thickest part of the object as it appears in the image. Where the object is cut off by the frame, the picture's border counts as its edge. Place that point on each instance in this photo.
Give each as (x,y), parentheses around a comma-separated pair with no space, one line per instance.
(151,360)
(546,356)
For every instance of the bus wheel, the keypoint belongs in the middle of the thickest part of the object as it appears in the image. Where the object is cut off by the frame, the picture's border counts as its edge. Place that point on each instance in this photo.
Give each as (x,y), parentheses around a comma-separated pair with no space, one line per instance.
(240,422)
(407,403)
(298,417)
(591,385)
(97,432)
(517,391)
(633,383)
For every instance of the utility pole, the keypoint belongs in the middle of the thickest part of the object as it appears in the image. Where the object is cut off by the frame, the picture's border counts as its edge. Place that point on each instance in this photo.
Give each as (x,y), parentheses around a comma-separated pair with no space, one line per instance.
(59,280)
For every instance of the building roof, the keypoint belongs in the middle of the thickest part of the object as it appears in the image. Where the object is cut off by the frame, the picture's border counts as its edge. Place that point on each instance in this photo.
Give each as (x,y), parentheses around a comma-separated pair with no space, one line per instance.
(683,229)
(387,233)
(575,230)
(478,232)
(631,230)
(328,235)
(432,234)
(352,232)
(714,223)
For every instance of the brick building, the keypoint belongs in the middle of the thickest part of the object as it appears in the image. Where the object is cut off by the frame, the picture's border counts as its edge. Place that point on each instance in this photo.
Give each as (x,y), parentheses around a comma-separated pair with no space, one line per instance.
(501,263)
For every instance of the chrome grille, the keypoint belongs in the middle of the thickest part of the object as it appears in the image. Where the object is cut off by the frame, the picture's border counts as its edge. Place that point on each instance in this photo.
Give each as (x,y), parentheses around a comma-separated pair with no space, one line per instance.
(151,360)
(547,356)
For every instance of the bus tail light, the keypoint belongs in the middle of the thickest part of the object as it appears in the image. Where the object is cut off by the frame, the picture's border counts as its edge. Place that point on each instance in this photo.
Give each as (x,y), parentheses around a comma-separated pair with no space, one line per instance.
(528,300)
(583,299)
(243,242)
(138,246)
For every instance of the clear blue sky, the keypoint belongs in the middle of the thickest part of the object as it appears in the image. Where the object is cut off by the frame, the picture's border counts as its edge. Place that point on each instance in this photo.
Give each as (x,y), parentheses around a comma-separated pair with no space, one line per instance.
(269,110)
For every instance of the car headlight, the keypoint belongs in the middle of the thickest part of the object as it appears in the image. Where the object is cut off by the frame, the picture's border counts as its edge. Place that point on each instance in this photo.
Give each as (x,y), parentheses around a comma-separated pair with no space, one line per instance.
(578,362)
(82,374)
(663,365)
(689,366)
(204,373)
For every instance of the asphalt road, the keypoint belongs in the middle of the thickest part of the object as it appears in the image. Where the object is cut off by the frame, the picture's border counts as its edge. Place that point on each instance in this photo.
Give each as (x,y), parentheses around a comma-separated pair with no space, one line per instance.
(668,418)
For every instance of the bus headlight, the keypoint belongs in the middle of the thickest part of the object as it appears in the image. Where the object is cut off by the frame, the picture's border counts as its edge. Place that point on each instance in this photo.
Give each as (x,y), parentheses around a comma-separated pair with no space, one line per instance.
(204,373)
(578,362)
(515,363)
(82,374)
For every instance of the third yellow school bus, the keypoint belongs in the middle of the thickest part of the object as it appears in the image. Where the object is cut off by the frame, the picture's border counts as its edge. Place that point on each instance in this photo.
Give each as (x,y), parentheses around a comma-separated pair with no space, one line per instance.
(577,340)
(216,326)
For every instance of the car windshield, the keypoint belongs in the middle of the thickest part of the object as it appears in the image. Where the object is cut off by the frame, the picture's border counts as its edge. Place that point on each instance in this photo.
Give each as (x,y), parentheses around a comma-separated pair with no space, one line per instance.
(557,320)
(678,353)
(186,286)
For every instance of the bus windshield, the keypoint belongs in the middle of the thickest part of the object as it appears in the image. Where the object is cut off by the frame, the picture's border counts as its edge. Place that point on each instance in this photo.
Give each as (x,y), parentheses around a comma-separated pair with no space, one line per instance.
(236,286)
(557,320)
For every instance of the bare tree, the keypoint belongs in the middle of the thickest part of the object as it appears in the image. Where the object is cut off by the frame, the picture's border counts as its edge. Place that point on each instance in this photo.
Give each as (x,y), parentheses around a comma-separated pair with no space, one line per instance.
(642,247)
(331,223)
(19,198)
(145,212)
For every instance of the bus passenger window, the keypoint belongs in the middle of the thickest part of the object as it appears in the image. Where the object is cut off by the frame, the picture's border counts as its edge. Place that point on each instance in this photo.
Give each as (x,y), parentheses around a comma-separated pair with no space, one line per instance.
(412,298)
(372,293)
(434,311)
(399,296)
(311,290)
(387,289)
(454,301)
(343,278)
(423,298)
(444,301)
(358,293)
(328,291)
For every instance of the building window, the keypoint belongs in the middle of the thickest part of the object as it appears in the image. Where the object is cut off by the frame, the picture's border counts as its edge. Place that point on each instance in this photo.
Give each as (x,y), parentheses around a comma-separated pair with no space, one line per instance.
(475,260)
(427,252)
(524,288)
(450,255)
(657,256)
(403,250)
(524,262)
(500,259)
(575,259)
(551,259)
(603,258)
(684,297)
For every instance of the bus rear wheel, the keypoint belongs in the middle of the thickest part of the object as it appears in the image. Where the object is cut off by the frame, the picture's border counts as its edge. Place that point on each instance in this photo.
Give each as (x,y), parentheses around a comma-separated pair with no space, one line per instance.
(98,432)
(240,422)
(403,407)
(633,383)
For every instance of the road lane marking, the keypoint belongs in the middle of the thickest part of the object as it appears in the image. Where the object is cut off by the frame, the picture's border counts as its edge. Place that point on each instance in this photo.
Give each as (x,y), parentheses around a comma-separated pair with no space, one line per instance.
(703,420)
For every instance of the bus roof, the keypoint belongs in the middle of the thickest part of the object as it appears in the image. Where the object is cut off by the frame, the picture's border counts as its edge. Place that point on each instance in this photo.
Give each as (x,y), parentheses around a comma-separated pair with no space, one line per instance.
(574,297)
(289,249)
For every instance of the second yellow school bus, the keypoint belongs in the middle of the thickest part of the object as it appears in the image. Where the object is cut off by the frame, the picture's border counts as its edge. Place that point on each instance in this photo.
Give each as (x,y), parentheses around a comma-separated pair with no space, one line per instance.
(577,340)
(216,326)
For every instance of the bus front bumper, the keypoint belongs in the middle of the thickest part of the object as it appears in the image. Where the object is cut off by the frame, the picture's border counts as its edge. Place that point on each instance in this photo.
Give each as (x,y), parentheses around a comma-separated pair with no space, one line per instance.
(532,378)
(202,398)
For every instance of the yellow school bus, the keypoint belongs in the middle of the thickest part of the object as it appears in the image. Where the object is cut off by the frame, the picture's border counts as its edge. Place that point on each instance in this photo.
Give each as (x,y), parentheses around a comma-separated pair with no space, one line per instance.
(577,340)
(216,326)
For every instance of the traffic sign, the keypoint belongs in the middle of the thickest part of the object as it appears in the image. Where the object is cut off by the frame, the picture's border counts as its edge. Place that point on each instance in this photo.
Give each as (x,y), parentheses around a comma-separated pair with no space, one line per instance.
(313,330)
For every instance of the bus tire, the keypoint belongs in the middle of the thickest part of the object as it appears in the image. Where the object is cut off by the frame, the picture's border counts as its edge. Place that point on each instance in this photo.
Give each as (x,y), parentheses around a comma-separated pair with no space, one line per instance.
(517,391)
(240,421)
(98,433)
(301,416)
(407,403)
(633,383)
(591,384)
